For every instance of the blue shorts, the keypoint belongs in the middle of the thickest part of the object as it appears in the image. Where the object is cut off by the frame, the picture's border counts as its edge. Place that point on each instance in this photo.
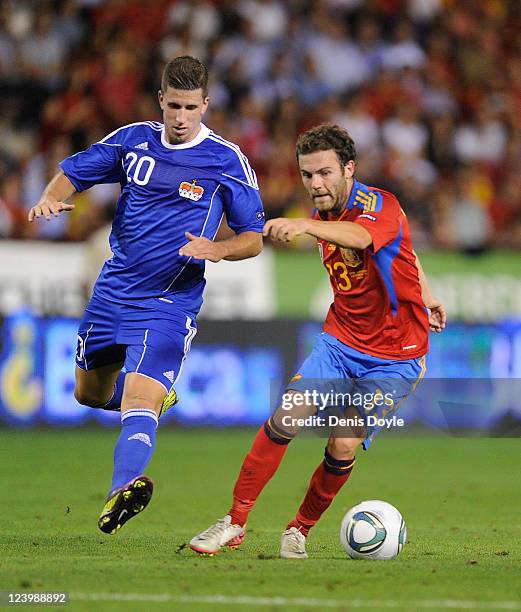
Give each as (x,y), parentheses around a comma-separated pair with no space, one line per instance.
(146,341)
(374,386)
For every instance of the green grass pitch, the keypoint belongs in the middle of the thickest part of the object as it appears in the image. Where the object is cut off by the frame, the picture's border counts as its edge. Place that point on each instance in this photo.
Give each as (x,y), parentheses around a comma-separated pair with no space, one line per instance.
(460,498)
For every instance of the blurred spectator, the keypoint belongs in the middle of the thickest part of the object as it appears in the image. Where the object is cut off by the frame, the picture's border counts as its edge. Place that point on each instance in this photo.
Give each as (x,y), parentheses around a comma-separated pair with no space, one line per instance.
(404,133)
(12,214)
(43,52)
(370,43)
(278,85)
(404,50)
(482,140)
(180,40)
(280,178)
(37,173)
(505,211)
(68,25)
(440,148)
(118,87)
(365,131)
(361,125)
(73,111)
(471,226)
(7,48)
(339,62)
(268,18)
(424,11)
(198,16)
(311,88)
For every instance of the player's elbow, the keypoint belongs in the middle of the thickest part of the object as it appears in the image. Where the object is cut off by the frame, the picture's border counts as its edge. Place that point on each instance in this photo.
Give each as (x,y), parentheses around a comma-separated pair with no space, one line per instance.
(255,245)
(257,248)
(364,243)
(86,399)
(361,238)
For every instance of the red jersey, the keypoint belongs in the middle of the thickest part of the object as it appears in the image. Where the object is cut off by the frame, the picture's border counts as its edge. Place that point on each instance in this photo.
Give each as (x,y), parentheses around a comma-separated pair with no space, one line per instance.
(377,308)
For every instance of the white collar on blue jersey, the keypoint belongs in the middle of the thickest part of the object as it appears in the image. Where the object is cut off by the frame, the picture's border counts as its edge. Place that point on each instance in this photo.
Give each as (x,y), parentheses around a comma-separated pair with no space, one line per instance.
(201,135)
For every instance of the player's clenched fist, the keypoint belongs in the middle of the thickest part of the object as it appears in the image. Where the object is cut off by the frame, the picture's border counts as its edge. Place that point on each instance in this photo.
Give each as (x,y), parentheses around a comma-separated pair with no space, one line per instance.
(48,207)
(284,230)
(437,316)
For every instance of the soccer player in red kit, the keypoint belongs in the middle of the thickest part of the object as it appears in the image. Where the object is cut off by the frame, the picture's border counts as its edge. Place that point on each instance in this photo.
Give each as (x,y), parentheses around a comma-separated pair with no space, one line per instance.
(374,340)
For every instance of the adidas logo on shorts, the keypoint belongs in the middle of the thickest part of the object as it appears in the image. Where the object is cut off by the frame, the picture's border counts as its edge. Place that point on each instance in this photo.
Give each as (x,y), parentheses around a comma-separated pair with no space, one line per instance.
(169,375)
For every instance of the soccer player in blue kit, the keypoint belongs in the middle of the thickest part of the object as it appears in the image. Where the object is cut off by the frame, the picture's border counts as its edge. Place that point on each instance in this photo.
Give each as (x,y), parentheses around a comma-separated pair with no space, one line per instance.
(178,180)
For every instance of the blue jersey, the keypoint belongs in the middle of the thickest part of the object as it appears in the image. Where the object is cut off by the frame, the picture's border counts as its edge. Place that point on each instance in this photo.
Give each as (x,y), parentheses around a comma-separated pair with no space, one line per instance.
(166,190)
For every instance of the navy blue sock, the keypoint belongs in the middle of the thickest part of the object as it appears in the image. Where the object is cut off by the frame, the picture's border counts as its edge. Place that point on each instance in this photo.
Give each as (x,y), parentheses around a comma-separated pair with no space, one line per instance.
(114,402)
(135,445)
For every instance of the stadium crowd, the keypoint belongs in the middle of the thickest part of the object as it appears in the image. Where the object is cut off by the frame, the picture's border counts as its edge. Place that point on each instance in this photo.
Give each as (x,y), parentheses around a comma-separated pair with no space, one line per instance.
(429,89)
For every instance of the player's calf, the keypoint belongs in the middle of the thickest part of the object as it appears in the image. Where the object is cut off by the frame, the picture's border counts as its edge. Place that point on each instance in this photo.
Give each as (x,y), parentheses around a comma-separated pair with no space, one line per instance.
(100,388)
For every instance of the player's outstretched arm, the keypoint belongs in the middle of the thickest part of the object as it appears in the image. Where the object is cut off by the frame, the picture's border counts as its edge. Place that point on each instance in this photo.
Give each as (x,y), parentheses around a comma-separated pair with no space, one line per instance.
(239,246)
(437,314)
(52,202)
(345,234)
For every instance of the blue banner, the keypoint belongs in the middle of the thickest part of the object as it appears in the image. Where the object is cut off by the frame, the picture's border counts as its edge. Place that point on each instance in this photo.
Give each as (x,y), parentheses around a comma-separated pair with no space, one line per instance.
(233,367)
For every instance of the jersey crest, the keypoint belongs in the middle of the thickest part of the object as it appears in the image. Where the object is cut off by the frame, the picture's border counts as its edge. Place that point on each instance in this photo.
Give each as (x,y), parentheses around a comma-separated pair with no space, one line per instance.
(351,257)
(192,191)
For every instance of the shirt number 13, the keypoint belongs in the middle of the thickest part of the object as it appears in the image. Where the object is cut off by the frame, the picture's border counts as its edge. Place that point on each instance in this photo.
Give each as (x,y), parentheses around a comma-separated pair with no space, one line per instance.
(338,272)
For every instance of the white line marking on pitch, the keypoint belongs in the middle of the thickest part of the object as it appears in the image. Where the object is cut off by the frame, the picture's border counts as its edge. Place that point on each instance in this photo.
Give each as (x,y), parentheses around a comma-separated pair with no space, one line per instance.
(449,604)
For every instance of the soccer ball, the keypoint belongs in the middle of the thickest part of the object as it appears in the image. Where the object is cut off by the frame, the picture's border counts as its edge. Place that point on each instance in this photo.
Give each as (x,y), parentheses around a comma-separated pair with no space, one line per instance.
(373,530)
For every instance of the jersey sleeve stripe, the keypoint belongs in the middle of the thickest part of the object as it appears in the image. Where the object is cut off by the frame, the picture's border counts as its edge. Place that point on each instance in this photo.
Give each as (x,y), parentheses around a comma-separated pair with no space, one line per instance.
(234,178)
(124,127)
(237,151)
(254,177)
(248,172)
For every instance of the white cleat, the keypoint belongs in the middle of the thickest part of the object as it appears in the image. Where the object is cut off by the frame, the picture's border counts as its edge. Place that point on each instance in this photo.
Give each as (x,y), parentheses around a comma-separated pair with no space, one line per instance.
(223,533)
(293,544)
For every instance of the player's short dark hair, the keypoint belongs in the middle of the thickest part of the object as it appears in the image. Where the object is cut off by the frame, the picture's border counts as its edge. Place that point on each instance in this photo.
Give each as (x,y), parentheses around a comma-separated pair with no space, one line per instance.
(327,137)
(185,72)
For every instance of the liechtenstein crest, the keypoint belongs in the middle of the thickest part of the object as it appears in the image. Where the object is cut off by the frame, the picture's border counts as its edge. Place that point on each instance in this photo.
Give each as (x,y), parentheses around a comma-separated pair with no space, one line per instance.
(351,257)
(192,191)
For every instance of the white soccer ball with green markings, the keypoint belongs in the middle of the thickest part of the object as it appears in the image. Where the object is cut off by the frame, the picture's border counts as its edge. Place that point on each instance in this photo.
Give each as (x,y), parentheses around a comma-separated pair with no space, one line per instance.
(373,530)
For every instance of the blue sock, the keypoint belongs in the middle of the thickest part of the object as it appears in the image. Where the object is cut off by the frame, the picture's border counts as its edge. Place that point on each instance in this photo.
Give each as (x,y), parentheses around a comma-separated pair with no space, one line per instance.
(114,402)
(135,445)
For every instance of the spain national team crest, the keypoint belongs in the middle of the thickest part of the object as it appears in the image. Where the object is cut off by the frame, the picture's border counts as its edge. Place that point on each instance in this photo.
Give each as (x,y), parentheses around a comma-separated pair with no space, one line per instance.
(192,191)
(351,257)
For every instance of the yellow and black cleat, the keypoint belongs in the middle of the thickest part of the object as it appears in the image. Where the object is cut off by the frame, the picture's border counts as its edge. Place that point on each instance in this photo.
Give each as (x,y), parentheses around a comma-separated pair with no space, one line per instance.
(170,400)
(125,503)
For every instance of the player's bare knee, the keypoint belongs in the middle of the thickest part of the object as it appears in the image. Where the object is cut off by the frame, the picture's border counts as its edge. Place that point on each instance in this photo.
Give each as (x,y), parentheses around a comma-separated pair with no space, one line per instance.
(289,417)
(142,392)
(343,448)
(87,399)
(136,401)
